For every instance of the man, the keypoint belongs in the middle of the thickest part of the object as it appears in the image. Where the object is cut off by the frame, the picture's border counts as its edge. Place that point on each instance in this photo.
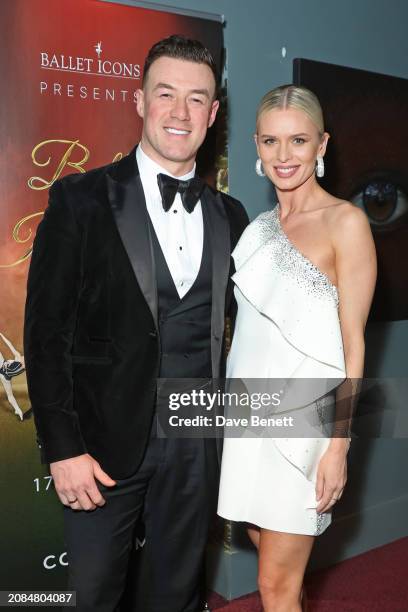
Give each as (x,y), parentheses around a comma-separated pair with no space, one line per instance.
(128,283)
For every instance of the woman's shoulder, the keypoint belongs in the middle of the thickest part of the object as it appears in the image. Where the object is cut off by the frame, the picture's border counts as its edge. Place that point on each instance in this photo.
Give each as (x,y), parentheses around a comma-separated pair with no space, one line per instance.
(344,216)
(347,226)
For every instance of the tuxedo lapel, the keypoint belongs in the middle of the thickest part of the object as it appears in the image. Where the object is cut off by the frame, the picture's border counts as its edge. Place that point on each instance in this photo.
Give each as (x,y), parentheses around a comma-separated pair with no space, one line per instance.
(219,235)
(128,204)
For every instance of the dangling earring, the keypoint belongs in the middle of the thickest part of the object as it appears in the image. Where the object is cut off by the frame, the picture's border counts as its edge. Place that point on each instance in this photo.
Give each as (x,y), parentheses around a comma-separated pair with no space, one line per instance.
(258,167)
(319,166)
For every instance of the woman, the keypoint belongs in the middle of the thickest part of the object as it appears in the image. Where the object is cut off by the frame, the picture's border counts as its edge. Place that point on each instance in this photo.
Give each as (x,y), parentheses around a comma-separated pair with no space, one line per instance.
(304,281)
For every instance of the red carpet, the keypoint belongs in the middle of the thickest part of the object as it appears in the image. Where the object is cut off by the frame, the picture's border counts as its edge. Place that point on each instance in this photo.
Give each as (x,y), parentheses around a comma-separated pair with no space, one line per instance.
(376,581)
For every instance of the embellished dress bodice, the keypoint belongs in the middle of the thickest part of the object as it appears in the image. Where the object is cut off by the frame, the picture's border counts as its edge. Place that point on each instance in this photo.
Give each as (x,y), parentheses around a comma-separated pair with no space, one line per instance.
(287,288)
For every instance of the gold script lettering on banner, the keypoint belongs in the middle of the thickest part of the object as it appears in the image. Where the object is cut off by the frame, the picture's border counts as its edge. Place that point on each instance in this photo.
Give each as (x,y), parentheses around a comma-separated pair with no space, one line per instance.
(20,240)
(38,183)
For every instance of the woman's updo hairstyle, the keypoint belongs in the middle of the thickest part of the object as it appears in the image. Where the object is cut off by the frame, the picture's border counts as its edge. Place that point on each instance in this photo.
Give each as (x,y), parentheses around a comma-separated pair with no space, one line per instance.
(293,96)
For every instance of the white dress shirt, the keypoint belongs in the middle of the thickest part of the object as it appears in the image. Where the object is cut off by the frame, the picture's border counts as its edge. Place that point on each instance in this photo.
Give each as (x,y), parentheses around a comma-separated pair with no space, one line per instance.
(180,234)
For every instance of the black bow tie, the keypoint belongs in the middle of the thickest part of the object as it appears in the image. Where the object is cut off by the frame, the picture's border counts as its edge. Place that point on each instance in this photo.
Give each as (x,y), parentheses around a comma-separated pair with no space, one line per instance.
(190,191)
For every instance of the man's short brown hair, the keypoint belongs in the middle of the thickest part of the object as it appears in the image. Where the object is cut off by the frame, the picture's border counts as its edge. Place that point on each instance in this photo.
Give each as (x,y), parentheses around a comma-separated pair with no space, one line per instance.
(180,47)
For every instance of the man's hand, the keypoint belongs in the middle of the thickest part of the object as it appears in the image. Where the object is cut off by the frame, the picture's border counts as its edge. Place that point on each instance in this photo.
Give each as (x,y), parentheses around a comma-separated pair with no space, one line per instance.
(74,481)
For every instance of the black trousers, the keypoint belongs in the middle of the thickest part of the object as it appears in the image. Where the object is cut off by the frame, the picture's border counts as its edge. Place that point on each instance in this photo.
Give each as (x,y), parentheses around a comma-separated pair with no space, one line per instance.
(174,492)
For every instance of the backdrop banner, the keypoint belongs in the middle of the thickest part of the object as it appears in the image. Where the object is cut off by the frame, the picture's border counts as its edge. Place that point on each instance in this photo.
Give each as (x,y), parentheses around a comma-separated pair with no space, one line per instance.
(69,72)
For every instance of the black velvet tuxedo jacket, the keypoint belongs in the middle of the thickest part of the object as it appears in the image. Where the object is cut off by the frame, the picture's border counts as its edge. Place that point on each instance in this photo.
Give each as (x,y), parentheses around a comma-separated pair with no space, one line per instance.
(92,346)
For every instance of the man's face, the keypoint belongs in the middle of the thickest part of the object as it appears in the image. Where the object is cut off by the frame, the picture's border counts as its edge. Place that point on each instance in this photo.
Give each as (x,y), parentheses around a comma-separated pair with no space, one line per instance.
(177,107)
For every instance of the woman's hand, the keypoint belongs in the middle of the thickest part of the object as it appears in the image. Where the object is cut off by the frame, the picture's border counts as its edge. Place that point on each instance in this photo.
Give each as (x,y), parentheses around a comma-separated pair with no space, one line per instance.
(331,475)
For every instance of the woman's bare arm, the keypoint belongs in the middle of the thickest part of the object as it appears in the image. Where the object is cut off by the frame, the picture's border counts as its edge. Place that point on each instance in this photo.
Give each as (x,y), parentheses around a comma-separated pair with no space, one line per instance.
(356,271)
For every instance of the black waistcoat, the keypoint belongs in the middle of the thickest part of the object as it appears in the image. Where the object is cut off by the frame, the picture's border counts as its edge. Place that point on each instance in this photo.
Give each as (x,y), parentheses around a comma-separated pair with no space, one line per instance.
(184,324)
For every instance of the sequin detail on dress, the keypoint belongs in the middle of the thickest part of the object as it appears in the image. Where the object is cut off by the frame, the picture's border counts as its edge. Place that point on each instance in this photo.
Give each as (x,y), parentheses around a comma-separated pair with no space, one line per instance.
(291,262)
(320,519)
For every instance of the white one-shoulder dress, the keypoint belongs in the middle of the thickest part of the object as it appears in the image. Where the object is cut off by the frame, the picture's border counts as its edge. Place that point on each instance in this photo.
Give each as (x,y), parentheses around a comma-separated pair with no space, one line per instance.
(287,327)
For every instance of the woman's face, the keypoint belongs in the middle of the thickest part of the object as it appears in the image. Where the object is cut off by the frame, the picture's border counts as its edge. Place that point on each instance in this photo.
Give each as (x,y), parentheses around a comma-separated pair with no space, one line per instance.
(288,144)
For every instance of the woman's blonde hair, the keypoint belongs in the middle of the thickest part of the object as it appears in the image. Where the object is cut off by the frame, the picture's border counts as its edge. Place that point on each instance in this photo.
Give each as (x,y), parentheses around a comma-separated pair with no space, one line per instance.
(293,96)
